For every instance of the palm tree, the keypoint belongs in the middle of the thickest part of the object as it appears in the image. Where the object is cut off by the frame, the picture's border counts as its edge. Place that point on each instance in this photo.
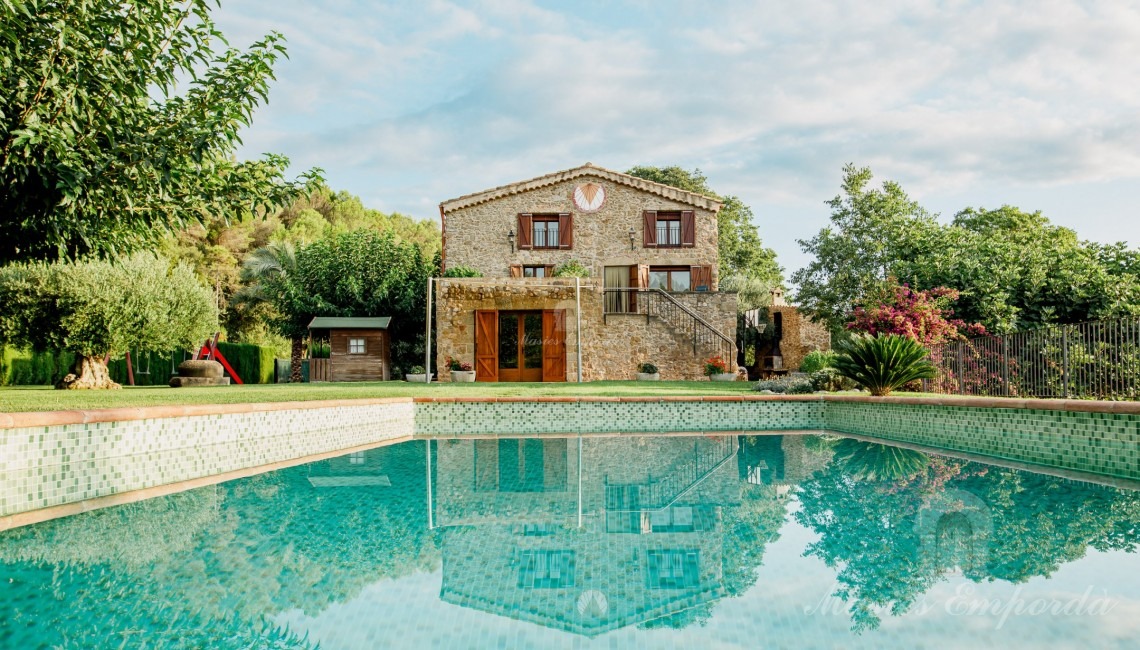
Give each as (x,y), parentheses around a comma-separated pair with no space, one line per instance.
(267,273)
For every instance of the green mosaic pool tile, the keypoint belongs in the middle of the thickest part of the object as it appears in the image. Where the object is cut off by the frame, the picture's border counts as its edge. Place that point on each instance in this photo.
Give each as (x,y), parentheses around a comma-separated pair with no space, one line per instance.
(1104,443)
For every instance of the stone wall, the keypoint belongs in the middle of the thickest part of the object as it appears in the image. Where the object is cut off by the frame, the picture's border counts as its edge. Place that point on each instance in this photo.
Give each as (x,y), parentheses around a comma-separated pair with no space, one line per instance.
(612,346)
(800,335)
(476,236)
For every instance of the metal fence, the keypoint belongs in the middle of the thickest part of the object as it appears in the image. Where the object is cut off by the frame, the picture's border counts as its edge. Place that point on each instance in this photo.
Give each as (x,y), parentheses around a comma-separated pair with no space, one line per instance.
(1099,359)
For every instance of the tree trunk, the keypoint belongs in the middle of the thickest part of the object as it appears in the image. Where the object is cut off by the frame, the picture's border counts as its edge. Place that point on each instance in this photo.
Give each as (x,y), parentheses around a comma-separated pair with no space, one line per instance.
(295,365)
(87,373)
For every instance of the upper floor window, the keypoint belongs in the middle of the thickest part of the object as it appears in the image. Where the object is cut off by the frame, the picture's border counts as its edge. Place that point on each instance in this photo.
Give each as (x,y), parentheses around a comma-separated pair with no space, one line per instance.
(669,229)
(545,231)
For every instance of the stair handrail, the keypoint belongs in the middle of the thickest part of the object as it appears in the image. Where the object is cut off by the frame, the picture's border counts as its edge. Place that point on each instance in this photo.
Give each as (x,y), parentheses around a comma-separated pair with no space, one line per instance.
(690,312)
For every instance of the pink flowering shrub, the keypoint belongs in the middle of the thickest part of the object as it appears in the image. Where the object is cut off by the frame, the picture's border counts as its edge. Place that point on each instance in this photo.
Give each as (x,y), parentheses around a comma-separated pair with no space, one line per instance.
(924,316)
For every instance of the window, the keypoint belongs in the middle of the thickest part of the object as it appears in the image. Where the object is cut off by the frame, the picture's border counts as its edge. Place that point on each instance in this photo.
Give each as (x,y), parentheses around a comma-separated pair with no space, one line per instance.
(544,569)
(545,231)
(670,278)
(356,458)
(356,346)
(534,271)
(668,229)
(673,569)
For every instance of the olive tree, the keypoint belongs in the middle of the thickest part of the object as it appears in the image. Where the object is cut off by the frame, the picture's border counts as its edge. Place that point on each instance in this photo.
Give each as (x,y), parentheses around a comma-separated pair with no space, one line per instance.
(97,307)
(119,119)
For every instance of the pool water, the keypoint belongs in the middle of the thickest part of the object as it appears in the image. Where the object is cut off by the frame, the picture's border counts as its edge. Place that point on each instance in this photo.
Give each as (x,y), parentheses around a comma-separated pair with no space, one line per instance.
(730,541)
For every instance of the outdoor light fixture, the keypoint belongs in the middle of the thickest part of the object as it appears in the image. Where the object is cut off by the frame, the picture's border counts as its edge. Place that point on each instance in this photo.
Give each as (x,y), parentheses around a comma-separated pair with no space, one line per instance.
(511,238)
(632,238)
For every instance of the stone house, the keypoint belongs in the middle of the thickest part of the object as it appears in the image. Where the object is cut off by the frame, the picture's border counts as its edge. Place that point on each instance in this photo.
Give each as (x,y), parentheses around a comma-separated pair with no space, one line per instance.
(651,295)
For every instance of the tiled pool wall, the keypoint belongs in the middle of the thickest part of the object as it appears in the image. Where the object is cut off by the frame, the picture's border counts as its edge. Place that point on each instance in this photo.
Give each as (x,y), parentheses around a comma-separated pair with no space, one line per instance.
(54,464)
(524,417)
(47,466)
(1100,443)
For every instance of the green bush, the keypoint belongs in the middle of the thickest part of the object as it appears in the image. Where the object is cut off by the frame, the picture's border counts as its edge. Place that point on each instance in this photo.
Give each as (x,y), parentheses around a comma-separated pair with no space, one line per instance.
(572,269)
(27,368)
(829,379)
(817,360)
(786,385)
(462,272)
(647,368)
(253,363)
(883,363)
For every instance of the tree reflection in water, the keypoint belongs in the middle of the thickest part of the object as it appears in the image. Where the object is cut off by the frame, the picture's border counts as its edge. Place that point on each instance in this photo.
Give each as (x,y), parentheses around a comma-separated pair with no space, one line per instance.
(894,522)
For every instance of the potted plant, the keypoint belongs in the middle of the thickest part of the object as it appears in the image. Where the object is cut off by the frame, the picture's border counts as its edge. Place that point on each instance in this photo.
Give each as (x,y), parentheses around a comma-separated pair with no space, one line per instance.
(417,374)
(716,369)
(461,372)
(648,372)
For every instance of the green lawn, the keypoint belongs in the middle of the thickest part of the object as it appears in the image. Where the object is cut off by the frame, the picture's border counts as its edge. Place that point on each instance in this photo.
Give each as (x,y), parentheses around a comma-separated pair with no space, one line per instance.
(44,398)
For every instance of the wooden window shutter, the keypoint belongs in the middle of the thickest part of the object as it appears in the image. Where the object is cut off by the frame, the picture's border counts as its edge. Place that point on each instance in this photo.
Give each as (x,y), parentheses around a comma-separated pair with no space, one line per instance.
(554,345)
(565,231)
(643,276)
(649,234)
(701,278)
(549,270)
(526,231)
(688,228)
(486,345)
(516,270)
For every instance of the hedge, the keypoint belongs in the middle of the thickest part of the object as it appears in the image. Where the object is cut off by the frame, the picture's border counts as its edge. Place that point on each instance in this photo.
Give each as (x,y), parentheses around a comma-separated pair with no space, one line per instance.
(253,363)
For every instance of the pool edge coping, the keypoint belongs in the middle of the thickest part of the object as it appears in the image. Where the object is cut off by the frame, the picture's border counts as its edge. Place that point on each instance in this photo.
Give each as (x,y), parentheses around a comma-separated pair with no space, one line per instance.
(26,419)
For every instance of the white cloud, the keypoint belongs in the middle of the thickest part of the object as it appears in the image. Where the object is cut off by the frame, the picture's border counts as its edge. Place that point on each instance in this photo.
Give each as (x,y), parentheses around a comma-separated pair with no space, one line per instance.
(769,99)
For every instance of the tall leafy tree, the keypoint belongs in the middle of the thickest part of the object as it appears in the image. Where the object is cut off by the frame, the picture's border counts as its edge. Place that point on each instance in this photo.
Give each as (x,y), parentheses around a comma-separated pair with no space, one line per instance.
(119,120)
(744,260)
(1013,269)
(94,308)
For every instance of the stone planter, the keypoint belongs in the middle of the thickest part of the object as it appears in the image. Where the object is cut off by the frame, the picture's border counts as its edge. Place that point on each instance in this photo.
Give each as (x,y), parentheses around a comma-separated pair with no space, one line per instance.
(648,376)
(462,376)
(723,376)
(417,379)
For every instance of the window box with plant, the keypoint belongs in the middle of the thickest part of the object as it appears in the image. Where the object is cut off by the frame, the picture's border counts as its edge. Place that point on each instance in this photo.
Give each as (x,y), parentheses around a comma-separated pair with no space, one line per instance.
(648,372)
(417,374)
(461,371)
(716,369)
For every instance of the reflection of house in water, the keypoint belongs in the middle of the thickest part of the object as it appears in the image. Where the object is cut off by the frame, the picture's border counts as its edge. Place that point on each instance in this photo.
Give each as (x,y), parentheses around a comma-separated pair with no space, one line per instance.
(584,534)
(778,461)
(356,469)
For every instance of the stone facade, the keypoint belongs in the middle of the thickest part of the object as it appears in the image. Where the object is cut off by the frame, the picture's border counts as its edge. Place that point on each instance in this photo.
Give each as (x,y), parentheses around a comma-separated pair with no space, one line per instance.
(475,235)
(800,334)
(475,230)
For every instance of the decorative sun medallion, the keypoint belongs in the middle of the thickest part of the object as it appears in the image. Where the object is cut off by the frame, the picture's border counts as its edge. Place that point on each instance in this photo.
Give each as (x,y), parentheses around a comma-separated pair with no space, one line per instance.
(589,197)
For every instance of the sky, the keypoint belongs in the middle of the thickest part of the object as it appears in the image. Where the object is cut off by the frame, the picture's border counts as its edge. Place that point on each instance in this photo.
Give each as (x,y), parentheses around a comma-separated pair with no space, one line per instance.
(407,104)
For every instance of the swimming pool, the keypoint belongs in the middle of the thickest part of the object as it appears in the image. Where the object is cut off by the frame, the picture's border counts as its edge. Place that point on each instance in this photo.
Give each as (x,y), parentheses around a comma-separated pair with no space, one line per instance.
(726,540)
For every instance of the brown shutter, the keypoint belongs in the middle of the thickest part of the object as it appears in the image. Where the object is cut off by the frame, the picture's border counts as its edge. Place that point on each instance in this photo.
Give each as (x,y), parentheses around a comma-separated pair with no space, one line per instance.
(649,234)
(701,277)
(565,231)
(643,276)
(688,228)
(554,345)
(486,345)
(549,270)
(516,270)
(526,231)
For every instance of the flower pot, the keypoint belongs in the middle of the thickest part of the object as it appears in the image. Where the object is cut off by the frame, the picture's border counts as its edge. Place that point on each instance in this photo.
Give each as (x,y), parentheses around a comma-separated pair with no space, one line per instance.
(723,376)
(462,376)
(648,376)
(417,379)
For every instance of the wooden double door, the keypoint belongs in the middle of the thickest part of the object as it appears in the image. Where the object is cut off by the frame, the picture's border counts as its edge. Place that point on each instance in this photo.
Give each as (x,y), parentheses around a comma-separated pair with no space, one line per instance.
(520,345)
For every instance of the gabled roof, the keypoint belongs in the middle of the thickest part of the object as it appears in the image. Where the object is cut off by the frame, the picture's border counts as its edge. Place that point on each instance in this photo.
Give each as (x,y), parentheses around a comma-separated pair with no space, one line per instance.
(350,323)
(589,169)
